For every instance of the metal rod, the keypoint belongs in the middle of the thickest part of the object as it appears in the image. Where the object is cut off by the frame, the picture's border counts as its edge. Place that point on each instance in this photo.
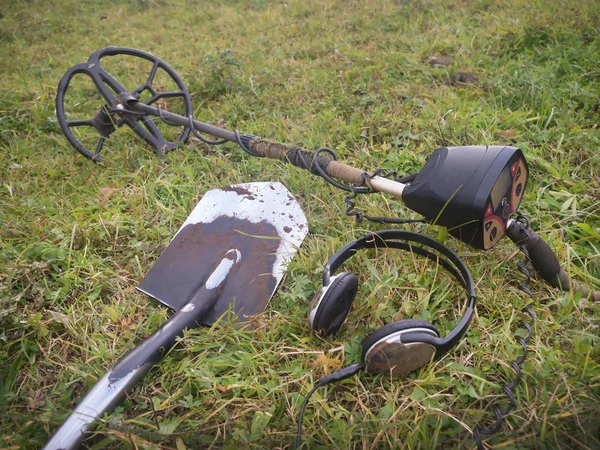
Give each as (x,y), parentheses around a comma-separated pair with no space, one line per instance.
(108,392)
(139,107)
(343,172)
(386,185)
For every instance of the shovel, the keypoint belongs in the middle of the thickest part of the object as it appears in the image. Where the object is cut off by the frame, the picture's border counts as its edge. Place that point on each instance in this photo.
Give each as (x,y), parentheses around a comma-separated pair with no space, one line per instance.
(229,256)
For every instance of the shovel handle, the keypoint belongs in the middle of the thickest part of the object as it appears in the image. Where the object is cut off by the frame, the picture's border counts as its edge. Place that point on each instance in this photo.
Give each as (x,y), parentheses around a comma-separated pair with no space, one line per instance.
(110,390)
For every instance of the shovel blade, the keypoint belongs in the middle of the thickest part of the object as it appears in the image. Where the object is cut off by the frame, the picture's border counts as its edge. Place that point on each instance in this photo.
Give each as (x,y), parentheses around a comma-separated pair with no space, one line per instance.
(262,221)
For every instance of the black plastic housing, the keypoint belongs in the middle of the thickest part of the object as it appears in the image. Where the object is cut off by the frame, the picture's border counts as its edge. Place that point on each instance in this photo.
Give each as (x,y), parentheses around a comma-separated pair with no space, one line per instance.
(471,190)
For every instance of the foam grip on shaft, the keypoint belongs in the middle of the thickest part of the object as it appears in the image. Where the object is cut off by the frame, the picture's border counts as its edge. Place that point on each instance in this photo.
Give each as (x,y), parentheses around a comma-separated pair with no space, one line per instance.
(544,260)
(585,290)
(542,257)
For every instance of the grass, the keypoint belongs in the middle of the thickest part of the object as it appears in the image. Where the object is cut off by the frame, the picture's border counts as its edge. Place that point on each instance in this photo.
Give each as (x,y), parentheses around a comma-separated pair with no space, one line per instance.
(76,238)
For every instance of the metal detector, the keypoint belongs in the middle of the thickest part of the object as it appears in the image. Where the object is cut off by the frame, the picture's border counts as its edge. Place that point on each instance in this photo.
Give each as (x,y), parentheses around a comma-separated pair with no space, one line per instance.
(474,191)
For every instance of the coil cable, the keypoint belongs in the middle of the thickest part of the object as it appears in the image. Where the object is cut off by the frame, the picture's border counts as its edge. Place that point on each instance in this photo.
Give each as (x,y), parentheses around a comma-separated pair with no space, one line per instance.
(357,189)
(243,140)
(508,388)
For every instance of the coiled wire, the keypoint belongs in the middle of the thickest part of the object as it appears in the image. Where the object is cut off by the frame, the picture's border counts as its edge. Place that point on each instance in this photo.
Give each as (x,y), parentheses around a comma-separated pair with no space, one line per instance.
(243,140)
(508,388)
(359,188)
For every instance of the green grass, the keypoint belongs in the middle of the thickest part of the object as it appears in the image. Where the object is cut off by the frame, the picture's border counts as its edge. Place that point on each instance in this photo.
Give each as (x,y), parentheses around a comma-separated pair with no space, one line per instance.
(352,75)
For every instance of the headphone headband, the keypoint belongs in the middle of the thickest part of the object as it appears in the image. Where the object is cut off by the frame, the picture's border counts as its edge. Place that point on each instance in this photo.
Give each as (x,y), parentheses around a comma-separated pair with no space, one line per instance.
(390,238)
(399,347)
(415,243)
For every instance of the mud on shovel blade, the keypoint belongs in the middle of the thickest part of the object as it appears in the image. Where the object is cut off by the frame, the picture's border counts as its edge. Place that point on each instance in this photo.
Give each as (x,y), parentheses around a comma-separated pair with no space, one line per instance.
(230,253)
(262,220)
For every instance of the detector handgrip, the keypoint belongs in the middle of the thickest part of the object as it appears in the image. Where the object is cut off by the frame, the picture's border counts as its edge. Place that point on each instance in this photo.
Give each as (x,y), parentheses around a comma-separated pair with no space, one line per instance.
(544,260)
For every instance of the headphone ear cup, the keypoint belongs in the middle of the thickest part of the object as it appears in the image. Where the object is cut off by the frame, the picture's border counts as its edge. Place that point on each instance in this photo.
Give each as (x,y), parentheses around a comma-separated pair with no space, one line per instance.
(396,357)
(335,304)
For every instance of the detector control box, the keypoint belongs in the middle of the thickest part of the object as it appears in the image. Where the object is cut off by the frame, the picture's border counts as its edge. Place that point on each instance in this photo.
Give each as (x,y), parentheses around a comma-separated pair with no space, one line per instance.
(471,190)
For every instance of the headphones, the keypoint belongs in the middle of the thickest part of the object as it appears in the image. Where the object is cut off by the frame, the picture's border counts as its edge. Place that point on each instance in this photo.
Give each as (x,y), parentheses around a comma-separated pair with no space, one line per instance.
(399,347)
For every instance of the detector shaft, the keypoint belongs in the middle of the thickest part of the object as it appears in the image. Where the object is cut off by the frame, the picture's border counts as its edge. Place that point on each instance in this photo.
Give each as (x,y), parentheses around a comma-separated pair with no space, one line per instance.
(139,107)
(331,167)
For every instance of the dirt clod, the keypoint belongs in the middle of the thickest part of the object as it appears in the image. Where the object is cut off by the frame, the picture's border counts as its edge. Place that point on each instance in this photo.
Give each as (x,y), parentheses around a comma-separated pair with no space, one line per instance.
(462,79)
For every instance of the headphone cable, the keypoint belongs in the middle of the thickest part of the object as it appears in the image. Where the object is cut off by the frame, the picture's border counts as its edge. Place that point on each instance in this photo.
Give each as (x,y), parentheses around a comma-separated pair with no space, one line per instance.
(336,376)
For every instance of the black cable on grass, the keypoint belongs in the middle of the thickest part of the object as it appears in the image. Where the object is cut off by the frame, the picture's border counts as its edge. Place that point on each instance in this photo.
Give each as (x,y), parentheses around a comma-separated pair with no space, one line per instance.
(301,415)
(336,376)
(507,389)
(359,189)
